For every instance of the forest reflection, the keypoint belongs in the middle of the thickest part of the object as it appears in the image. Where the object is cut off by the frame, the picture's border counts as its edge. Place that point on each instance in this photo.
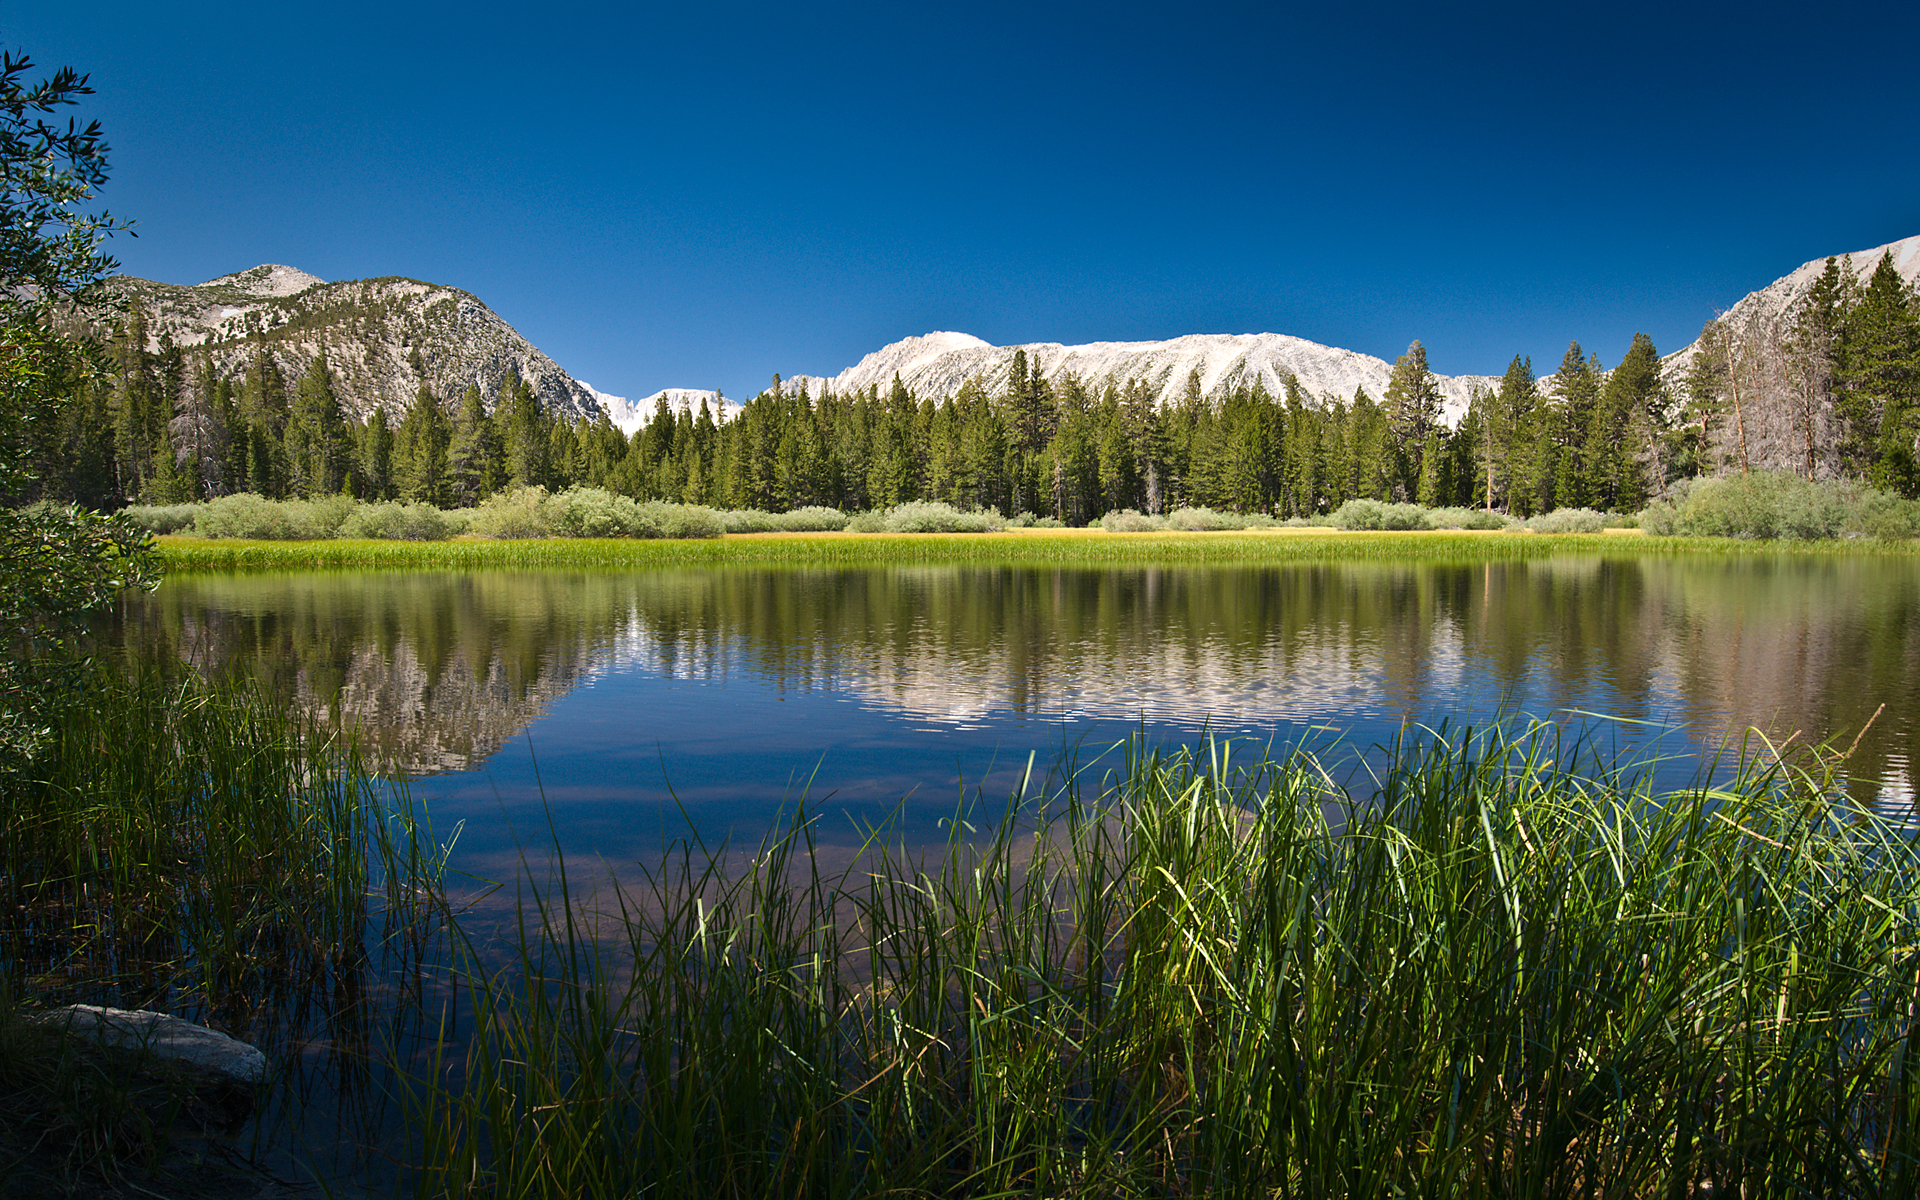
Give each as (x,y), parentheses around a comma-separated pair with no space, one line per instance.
(438,670)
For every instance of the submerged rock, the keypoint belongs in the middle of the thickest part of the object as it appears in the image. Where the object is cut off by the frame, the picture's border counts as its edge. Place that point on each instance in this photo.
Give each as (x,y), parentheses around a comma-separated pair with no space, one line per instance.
(169,1040)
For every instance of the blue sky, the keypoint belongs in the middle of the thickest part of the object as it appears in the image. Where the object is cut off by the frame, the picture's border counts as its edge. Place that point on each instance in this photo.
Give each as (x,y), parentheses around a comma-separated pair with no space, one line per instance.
(699,196)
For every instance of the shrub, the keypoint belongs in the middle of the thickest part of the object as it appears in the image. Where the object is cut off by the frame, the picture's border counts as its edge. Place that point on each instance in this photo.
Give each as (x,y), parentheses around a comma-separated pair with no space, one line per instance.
(1379,514)
(937,516)
(748,520)
(1778,504)
(1129,521)
(1568,520)
(867,522)
(1204,520)
(401,522)
(246,515)
(811,519)
(524,512)
(660,519)
(1048,523)
(1465,518)
(162,518)
(595,513)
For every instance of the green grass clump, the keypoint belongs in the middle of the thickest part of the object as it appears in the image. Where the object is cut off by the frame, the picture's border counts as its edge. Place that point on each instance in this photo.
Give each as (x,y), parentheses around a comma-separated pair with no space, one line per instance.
(1500,969)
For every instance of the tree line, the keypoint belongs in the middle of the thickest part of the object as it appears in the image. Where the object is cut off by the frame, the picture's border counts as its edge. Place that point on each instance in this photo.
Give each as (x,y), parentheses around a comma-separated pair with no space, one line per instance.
(1825,389)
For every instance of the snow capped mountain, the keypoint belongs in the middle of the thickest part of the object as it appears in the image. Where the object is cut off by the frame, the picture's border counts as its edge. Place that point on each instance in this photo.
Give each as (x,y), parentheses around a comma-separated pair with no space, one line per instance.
(629,415)
(937,364)
(1778,298)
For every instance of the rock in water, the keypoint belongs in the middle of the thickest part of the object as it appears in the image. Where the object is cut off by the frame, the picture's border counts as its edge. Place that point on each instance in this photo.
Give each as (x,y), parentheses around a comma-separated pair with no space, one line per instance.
(169,1039)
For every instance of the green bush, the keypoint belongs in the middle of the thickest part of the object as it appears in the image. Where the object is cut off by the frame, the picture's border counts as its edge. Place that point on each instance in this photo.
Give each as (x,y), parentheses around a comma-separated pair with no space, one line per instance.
(1204,520)
(812,518)
(1129,521)
(1568,520)
(596,513)
(660,519)
(1465,518)
(937,516)
(1778,504)
(1379,514)
(162,518)
(526,512)
(749,520)
(246,515)
(400,522)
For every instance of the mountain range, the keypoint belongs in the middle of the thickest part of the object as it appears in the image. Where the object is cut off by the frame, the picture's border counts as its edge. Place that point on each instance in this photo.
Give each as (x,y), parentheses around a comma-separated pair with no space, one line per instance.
(385,337)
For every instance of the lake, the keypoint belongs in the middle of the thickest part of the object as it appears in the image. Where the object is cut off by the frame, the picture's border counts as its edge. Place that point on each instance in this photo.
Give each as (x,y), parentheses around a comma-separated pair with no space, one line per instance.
(622,705)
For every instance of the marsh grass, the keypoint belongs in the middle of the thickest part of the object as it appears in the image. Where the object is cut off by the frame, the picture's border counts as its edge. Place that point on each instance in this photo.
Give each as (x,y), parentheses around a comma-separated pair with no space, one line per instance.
(1039,548)
(1501,967)
(194,848)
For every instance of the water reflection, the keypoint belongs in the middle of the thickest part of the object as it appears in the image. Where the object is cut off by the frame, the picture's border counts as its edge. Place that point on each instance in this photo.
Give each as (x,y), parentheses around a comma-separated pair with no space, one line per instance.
(440,670)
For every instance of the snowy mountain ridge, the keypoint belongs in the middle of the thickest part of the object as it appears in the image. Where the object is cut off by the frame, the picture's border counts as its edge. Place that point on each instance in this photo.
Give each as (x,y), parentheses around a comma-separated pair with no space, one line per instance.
(938,364)
(1778,298)
(629,415)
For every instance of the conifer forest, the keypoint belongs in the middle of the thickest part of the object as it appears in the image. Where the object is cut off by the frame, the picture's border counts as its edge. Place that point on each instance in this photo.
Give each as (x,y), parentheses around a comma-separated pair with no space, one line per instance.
(1825,390)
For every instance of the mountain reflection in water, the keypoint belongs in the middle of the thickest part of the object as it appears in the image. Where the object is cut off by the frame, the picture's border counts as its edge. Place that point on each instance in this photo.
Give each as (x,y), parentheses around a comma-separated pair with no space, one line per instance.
(440,670)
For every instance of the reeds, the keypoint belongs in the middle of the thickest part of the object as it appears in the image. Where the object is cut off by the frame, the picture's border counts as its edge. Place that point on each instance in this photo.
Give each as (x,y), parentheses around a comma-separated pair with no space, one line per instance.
(195,847)
(192,847)
(1502,967)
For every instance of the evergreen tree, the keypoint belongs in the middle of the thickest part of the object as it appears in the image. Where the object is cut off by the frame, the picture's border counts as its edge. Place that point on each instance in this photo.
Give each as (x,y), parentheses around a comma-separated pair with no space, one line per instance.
(420,448)
(315,440)
(1880,371)
(376,458)
(1620,446)
(138,404)
(263,412)
(1577,395)
(1369,451)
(1412,412)
(525,437)
(475,465)
(1512,421)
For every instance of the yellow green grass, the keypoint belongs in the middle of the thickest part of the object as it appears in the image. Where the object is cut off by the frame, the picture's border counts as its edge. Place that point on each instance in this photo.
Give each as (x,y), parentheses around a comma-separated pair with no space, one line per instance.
(1024,547)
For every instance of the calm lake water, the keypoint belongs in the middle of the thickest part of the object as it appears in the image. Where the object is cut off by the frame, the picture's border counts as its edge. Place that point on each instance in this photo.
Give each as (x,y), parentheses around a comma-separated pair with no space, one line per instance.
(625,704)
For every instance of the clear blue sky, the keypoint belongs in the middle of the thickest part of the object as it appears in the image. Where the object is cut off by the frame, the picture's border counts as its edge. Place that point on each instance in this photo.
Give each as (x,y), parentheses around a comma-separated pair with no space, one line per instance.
(701,195)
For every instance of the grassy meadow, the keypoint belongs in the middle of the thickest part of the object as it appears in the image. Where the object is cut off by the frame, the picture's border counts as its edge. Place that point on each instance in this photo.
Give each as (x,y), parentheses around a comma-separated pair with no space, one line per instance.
(1050,547)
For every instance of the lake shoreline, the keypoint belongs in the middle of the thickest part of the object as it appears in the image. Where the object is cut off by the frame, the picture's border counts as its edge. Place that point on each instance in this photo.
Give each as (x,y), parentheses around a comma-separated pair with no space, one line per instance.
(1029,547)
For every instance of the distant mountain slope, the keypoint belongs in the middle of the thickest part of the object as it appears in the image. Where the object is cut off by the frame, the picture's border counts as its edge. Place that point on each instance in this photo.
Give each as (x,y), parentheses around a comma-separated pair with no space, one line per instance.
(370,330)
(939,363)
(1779,297)
(629,415)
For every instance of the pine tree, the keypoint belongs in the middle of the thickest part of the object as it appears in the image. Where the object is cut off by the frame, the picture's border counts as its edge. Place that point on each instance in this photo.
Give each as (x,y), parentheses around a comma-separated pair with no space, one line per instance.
(420,451)
(316,435)
(1880,373)
(1412,412)
(1619,445)
(1369,450)
(475,467)
(525,437)
(376,458)
(1577,395)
